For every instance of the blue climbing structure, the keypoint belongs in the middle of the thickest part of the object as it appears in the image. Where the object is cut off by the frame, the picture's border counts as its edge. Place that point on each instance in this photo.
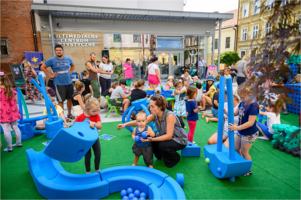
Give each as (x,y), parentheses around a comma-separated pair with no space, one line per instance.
(223,162)
(137,105)
(27,126)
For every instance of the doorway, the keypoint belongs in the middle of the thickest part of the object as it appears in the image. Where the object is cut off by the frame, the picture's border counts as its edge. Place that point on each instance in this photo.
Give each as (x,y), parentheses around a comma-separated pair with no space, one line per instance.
(170,64)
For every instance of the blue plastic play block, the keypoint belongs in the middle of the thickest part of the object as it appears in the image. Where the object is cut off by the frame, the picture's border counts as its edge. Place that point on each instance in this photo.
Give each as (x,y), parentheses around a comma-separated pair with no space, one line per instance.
(171,190)
(71,144)
(191,150)
(155,176)
(53,182)
(221,166)
(138,104)
(52,128)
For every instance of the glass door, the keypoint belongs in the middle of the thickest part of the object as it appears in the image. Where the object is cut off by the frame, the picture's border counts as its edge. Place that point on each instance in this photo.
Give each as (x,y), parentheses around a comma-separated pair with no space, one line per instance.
(163,63)
(176,64)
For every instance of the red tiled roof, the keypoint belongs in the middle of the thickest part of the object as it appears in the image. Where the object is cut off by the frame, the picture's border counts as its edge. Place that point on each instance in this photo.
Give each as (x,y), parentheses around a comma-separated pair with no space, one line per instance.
(231,22)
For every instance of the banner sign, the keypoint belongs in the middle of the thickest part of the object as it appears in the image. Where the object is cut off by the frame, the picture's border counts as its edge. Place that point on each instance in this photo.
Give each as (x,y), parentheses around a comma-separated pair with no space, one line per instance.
(211,68)
(34,58)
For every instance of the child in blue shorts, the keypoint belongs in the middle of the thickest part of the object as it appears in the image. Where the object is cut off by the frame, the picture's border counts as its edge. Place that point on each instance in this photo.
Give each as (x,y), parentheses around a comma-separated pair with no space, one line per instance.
(143,148)
(214,110)
(247,129)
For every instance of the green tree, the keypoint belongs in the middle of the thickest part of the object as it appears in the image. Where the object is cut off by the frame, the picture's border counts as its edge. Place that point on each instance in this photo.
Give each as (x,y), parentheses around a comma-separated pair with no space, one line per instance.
(229,57)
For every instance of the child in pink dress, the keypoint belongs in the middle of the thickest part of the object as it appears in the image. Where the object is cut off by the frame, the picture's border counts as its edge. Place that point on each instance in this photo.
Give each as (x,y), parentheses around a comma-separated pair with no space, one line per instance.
(9,113)
(128,72)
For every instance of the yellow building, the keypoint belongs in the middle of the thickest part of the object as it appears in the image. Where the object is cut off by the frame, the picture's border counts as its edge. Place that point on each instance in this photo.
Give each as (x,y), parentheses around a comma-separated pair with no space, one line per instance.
(252,27)
(228,36)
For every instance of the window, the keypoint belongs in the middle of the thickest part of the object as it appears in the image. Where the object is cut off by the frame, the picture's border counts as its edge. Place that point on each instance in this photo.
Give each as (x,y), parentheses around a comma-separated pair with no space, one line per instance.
(242,53)
(228,39)
(169,43)
(267,29)
(244,34)
(216,44)
(255,32)
(4,47)
(245,10)
(269,5)
(256,7)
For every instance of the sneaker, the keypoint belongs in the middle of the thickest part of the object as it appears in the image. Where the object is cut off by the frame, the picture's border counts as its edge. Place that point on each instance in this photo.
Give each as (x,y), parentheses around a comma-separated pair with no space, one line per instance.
(249,173)
(193,142)
(17,145)
(285,112)
(8,149)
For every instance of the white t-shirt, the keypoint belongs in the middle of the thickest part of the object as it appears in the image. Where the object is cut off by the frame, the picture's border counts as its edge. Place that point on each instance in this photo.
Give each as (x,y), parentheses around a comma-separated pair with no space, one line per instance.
(42,73)
(151,68)
(188,79)
(272,119)
(106,67)
(226,125)
(199,95)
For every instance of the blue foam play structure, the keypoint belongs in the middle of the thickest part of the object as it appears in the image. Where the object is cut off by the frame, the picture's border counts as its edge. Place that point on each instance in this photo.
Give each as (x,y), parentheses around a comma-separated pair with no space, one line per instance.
(180,179)
(53,182)
(71,144)
(27,126)
(191,150)
(223,162)
(140,104)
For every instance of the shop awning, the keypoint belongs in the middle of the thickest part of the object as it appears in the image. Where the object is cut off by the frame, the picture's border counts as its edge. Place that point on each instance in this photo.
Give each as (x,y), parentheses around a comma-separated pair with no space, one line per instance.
(126,14)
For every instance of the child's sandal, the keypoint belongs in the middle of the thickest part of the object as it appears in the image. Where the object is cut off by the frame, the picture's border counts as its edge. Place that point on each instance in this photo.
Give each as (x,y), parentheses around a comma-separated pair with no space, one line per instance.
(249,173)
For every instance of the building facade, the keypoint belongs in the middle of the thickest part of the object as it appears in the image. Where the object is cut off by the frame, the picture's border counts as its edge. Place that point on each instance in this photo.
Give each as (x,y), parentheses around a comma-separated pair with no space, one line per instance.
(131,29)
(228,36)
(252,27)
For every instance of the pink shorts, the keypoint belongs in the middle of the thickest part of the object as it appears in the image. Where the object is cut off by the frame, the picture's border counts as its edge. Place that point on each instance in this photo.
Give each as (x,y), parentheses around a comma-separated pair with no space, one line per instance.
(153,79)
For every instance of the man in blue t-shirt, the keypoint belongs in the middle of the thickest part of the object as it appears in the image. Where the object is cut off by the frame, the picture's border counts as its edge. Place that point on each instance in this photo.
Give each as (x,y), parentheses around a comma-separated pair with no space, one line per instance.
(61,75)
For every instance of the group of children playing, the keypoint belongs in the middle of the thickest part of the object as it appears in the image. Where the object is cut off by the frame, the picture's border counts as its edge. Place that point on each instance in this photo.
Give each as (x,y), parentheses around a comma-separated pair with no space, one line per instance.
(186,104)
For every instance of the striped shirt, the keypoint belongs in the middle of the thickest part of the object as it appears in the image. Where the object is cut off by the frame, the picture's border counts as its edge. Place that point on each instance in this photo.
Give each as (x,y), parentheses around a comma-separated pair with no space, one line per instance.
(179,135)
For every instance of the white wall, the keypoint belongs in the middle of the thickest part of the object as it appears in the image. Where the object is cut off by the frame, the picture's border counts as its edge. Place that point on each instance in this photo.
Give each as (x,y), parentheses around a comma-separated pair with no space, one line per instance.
(176,5)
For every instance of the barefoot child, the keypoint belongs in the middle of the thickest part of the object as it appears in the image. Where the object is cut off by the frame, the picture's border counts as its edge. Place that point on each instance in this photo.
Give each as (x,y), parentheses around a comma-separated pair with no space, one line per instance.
(192,110)
(273,117)
(214,109)
(247,129)
(60,113)
(9,113)
(92,108)
(143,148)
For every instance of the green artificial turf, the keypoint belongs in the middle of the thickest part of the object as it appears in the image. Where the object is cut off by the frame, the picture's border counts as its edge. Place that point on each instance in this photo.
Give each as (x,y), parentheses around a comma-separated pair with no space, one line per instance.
(276,175)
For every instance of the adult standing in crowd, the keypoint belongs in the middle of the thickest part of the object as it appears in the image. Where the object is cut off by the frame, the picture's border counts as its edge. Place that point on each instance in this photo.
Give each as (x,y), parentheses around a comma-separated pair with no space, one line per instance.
(242,69)
(62,68)
(170,138)
(154,78)
(106,70)
(128,72)
(30,90)
(233,72)
(93,70)
(202,68)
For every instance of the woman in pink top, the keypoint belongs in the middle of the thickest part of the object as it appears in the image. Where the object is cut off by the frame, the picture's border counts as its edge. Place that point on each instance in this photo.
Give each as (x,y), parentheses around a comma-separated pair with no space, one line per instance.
(128,72)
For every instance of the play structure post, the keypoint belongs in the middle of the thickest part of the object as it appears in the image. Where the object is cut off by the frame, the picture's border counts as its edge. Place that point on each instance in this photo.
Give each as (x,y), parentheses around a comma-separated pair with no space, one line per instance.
(47,100)
(20,104)
(220,113)
(230,118)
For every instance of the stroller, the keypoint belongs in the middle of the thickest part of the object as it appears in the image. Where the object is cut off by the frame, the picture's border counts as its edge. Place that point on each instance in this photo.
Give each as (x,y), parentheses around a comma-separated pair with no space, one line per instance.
(193,71)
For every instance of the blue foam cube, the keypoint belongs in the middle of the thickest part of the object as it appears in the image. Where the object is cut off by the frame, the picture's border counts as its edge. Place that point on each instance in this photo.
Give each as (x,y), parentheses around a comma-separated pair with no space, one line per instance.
(191,150)
(52,128)
(71,144)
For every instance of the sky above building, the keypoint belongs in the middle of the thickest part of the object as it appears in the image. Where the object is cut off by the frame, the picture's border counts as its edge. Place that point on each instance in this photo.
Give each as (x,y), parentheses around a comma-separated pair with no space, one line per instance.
(210,5)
